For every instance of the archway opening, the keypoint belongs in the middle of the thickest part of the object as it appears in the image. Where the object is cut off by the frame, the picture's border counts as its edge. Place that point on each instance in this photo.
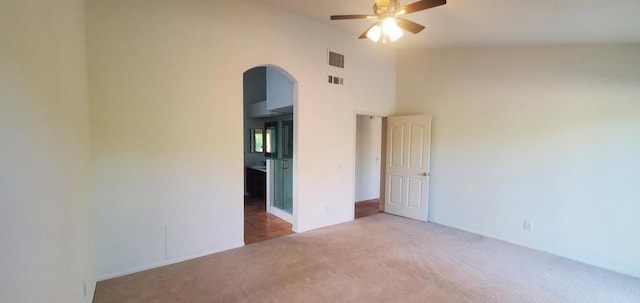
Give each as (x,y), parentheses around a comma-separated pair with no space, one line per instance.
(269,97)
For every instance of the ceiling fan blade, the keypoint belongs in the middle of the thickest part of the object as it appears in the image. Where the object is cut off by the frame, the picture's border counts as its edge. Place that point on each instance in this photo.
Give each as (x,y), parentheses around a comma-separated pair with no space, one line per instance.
(364,35)
(348,17)
(422,5)
(409,26)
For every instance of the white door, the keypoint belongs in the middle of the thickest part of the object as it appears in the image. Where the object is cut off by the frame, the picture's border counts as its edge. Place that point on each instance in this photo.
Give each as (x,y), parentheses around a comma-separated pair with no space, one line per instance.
(407,168)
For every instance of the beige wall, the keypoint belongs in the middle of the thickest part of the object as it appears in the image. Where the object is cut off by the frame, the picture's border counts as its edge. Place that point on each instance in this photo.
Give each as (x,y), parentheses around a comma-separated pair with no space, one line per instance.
(167,133)
(45,214)
(545,134)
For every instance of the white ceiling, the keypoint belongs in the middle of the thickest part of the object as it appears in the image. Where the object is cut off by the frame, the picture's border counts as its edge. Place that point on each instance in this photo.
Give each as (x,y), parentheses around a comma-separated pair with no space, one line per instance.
(462,23)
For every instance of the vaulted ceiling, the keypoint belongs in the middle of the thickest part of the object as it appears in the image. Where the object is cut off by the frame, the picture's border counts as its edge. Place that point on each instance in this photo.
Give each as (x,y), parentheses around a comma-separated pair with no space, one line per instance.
(462,23)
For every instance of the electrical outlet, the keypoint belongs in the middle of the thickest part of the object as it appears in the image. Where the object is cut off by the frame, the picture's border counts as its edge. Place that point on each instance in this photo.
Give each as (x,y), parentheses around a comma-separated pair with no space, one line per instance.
(527,225)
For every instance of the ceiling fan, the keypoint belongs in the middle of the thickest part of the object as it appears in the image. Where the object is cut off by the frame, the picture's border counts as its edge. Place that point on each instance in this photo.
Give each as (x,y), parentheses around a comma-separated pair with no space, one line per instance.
(390,25)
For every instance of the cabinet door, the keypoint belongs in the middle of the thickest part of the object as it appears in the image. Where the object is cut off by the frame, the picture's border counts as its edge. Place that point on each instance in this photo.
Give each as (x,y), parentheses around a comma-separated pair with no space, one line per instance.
(261,184)
(250,180)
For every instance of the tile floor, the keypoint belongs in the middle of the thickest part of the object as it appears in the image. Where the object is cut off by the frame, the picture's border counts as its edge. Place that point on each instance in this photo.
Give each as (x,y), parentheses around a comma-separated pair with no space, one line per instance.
(260,226)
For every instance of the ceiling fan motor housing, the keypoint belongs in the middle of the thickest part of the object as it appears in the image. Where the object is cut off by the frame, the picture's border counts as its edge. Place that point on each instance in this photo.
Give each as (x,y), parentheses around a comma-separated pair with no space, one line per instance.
(393,8)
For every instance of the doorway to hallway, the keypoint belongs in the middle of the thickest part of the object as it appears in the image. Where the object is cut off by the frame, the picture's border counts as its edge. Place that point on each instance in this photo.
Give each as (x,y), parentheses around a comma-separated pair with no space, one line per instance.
(368,165)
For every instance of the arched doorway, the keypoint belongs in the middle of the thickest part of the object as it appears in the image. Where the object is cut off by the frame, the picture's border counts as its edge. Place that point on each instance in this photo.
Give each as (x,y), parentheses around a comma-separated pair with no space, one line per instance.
(269,96)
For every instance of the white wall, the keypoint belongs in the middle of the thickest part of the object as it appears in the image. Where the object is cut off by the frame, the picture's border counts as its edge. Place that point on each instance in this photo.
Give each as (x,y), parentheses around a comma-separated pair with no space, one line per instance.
(45,212)
(547,134)
(368,150)
(166,107)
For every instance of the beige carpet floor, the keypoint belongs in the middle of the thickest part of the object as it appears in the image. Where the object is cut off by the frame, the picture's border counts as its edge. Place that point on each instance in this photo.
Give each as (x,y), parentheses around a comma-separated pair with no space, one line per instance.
(381,258)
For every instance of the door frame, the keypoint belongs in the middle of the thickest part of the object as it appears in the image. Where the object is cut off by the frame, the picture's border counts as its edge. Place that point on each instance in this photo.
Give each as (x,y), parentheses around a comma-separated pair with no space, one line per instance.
(383,155)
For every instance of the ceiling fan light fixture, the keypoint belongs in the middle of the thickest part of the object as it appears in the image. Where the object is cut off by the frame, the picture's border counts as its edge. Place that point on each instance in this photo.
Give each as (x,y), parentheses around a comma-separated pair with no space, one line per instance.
(374,33)
(391,29)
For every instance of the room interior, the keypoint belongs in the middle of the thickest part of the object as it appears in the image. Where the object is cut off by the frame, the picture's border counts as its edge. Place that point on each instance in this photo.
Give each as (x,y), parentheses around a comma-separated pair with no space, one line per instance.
(121,125)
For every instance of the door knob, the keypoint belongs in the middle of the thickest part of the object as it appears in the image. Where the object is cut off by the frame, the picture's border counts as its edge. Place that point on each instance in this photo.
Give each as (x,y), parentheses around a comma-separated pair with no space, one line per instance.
(425,174)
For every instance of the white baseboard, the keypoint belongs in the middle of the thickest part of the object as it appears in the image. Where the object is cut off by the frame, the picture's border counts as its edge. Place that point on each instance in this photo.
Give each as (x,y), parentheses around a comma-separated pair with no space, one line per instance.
(281,214)
(166,262)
